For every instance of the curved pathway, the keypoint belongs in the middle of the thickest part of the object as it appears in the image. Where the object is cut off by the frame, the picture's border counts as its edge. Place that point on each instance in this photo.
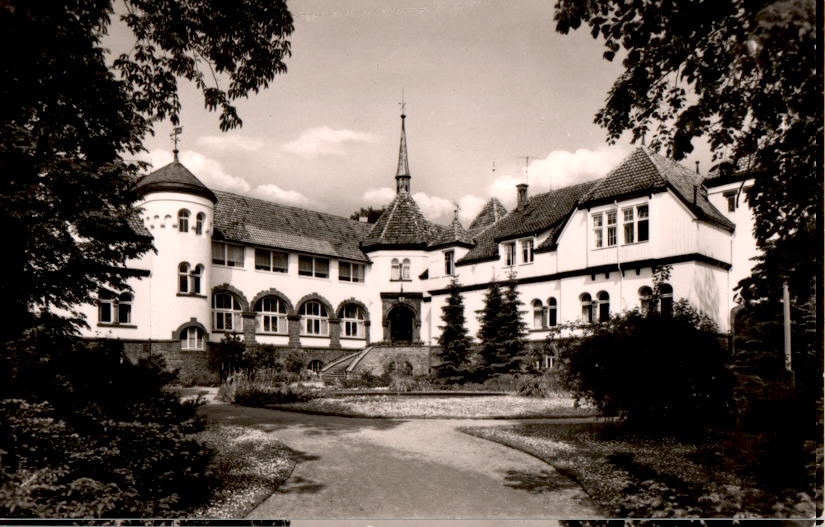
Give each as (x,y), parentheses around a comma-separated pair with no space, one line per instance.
(394,468)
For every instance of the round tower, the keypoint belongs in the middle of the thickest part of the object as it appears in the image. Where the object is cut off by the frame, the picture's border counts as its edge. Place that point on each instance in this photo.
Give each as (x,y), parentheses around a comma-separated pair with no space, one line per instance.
(178,210)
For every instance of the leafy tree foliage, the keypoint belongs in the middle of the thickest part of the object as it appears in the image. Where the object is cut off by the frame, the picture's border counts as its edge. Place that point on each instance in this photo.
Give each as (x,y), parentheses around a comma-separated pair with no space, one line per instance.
(372,214)
(72,114)
(654,371)
(742,74)
(454,341)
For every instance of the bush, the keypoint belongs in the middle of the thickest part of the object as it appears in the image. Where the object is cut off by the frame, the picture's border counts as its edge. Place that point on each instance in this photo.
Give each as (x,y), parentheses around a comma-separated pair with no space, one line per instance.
(197,374)
(246,390)
(229,356)
(364,379)
(657,371)
(99,436)
(403,383)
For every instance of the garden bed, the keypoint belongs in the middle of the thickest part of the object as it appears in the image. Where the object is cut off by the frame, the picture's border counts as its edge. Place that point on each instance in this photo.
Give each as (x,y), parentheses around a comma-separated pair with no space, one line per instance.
(722,474)
(435,406)
(248,467)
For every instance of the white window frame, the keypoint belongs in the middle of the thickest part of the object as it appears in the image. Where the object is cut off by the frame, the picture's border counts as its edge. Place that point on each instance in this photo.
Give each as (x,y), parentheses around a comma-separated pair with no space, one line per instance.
(314,324)
(586,308)
(266,317)
(200,221)
(395,269)
(509,253)
(603,306)
(405,270)
(271,258)
(528,251)
(449,263)
(539,321)
(632,218)
(552,312)
(355,272)
(183,277)
(116,306)
(195,279)
(313,272)
(192,338)
(226,319)
(352,321)
(598,232)
(224,249)
(183,220)
(612,238)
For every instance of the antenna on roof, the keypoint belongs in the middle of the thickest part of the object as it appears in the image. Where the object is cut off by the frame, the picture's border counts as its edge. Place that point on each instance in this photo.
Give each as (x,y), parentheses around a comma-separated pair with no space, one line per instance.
(527,168)
(697,166)
(175,135)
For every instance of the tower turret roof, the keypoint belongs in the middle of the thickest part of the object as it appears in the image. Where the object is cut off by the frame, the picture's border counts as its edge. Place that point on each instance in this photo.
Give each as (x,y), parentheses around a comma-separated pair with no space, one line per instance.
(402,225)
(174,177)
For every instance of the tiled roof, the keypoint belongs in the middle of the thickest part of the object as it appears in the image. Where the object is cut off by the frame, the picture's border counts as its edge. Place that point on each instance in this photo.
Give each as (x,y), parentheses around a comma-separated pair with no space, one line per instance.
(728,172)
(492,211)
(137,225)
(174,177)
(455,234)
(540,213)
(646,171)
(258,222)
(401,224)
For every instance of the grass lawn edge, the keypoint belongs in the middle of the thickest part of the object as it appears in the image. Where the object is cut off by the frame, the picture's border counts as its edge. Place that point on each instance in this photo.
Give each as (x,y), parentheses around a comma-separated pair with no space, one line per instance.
(479,433)
(287,408)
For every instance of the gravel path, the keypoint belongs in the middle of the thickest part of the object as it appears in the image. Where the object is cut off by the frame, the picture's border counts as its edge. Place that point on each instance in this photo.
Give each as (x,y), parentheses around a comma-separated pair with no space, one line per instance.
(391,468)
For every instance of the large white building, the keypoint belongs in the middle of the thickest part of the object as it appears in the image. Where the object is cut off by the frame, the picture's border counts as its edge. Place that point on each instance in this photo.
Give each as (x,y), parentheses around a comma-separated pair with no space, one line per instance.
(355,295)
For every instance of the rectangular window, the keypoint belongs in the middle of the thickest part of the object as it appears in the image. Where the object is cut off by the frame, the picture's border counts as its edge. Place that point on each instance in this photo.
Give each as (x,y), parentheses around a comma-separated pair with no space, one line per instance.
(104,311)
(598,233)
(449,263)
(317,267)
(270,261)
(642,227)
(527,251)
(629,226)
(730,197)
(229,255)
(350,272)
(611,228)
(124,313)
(510,254)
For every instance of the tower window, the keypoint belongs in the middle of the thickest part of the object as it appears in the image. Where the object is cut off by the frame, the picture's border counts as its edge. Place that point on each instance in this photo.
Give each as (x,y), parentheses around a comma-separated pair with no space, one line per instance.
(183,220)
(200,219)
(449,263)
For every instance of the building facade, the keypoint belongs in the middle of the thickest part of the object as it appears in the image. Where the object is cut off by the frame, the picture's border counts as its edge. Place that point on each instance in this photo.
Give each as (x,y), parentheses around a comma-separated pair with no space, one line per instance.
(348,293)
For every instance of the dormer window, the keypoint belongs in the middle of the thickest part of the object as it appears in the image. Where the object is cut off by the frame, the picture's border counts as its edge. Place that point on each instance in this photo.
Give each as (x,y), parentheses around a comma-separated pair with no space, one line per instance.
(449,263)
(636,228)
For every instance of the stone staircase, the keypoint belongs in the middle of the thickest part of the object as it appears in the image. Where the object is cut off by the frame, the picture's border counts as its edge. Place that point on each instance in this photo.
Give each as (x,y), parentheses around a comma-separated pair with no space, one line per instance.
(337,369)
(374,358)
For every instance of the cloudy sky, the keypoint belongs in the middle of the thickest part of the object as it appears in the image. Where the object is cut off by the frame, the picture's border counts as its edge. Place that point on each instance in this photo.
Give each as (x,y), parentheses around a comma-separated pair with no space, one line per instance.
(487,83)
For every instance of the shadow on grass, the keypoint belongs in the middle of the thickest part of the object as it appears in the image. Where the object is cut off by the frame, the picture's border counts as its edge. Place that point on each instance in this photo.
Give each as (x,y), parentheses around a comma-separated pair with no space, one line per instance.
(537,482)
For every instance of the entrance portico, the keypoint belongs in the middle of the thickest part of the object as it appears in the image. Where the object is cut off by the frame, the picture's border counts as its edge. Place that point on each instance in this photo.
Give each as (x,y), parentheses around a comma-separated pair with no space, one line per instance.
(401,318)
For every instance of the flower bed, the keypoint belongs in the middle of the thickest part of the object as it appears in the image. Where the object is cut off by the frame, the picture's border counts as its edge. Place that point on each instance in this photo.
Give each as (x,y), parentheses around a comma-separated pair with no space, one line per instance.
(391,406)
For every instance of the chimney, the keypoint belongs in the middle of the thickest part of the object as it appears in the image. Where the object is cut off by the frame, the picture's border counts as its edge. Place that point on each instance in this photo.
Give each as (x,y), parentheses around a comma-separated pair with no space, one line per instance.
(522,194)
(363,219)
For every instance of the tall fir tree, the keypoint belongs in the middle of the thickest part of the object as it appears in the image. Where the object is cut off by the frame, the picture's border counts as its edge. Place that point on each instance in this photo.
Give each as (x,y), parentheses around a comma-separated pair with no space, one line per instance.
(489,332)
(512,329)
(454,341)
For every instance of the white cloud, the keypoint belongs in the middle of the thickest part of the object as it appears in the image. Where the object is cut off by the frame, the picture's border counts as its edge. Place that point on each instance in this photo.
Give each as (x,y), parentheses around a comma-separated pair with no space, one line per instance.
(378,197)
(230,143)
(213,175)
(324,140)
(275,193)
(559,169)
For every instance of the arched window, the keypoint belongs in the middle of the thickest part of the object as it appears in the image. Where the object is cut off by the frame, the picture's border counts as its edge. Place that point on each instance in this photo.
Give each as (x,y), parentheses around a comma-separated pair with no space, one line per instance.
(396,270)
(645,295)
(587,308)
(314,319)
(226,312)
(183,220)
(191,338)
(604,306)
(666,299)
(405,269)
(271,315)
(352,321)
(538,314)
(315,366)
(195,280)
(124,308)
(200,219)
(106,307)
(183,277)
(552,312)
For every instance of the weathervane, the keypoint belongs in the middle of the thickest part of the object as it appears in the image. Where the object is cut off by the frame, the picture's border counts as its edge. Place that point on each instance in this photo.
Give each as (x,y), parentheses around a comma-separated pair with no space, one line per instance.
(403,104)
(175,135)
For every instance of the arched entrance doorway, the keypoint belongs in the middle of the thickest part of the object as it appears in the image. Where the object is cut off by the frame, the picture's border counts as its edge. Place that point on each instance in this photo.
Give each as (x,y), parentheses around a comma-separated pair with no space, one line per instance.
(401,320)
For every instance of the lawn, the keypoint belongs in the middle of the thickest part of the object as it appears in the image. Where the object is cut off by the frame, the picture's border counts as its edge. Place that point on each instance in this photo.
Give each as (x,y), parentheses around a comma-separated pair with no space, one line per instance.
(723,474)
(248,467)
(391,406)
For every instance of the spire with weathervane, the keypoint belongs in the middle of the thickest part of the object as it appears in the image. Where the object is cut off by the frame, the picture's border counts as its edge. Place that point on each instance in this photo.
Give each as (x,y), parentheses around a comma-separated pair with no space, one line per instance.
(402,175)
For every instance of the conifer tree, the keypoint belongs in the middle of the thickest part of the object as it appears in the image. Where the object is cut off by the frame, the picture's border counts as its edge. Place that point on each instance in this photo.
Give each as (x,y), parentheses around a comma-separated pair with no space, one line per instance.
(512,329)
(454,341)
(489,332)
